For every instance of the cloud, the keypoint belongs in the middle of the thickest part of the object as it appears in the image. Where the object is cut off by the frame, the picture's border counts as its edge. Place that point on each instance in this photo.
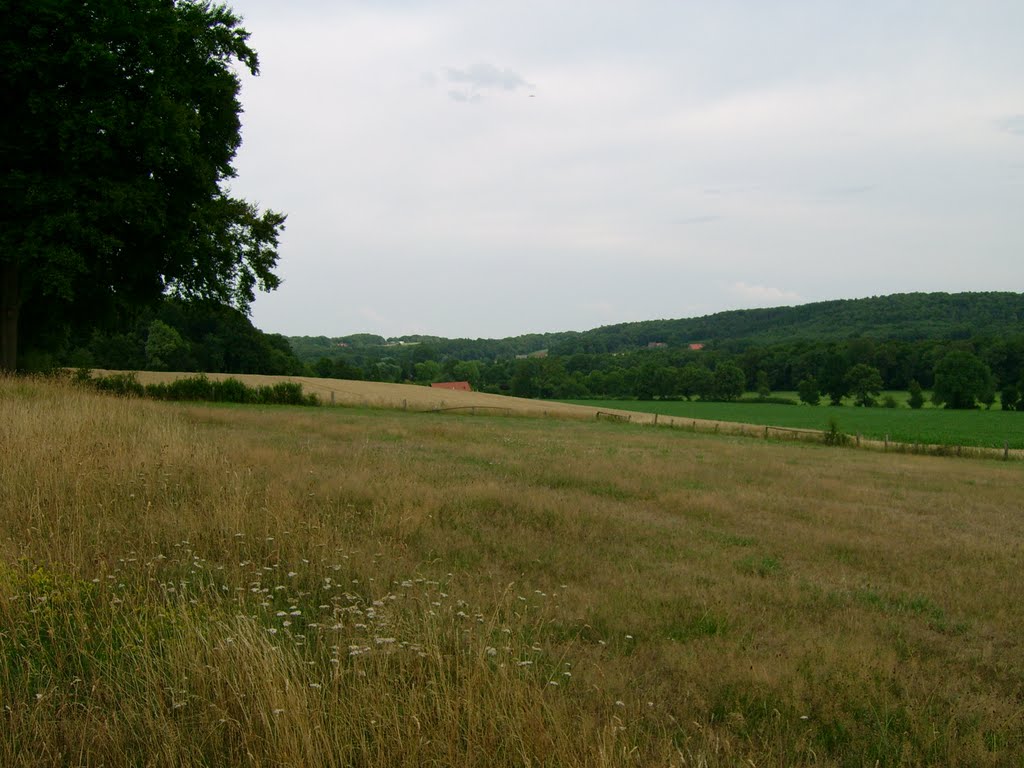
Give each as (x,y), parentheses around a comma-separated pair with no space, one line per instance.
(1012,124)
(479,79)
(763,295)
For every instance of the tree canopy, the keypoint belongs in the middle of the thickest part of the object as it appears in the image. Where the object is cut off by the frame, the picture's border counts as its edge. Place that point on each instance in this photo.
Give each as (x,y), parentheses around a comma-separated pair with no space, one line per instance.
(961,379)
(119,130)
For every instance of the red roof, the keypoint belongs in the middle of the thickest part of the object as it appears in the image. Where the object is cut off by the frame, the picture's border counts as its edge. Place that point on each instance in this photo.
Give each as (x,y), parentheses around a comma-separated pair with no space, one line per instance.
(459,385)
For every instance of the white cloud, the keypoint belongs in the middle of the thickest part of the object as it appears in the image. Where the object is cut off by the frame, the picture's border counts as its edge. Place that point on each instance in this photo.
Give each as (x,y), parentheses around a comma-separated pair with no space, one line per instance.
(479,79)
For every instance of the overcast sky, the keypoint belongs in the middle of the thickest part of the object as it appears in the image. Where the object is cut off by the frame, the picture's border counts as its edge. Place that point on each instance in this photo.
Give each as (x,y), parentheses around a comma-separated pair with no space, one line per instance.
(487,169)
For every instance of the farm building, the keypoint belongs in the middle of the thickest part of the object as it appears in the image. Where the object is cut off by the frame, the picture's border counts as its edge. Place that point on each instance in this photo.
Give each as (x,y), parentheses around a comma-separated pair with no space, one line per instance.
(462,386)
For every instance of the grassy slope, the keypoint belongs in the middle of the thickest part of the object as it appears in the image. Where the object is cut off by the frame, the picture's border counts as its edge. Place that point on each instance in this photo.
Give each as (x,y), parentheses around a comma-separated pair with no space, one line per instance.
(198,585)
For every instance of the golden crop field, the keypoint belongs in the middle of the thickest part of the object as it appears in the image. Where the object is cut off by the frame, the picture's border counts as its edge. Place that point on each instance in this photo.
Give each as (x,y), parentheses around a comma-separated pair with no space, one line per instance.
(191,585)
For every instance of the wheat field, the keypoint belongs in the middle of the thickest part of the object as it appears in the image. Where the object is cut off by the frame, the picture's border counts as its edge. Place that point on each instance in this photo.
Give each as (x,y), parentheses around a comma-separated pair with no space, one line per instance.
(193,585)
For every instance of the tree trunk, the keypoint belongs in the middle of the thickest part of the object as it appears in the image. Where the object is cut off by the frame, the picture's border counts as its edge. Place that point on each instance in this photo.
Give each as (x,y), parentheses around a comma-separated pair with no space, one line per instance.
(10,303)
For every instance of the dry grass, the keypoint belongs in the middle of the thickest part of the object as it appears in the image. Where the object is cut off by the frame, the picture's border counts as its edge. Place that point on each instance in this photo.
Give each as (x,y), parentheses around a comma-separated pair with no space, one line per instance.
(194,585)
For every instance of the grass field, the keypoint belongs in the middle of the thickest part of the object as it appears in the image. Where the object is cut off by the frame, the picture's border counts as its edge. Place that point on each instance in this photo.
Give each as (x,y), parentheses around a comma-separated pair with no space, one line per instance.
(934,426)
(196,585)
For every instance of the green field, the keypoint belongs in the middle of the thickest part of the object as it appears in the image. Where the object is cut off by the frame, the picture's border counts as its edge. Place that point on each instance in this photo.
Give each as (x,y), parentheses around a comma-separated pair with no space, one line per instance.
(934,426)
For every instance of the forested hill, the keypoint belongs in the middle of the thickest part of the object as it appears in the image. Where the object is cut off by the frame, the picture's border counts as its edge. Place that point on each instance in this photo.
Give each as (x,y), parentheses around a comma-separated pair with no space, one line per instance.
(905,316)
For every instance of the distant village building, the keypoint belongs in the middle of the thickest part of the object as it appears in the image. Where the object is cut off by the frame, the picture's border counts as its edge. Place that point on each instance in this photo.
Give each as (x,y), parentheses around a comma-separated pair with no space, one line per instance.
(538,353)
(656,344)
(696,347)
(462,386)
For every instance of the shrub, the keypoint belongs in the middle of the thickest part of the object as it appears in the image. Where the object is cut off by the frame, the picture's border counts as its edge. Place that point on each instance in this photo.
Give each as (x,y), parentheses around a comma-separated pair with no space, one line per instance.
(916,399)
(283,393)
(122,384)
(231,391)
(834,436)
(191,388)
(809,391)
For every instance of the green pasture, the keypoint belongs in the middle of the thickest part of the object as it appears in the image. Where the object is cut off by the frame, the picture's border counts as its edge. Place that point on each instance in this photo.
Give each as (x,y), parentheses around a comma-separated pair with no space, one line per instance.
(930,425)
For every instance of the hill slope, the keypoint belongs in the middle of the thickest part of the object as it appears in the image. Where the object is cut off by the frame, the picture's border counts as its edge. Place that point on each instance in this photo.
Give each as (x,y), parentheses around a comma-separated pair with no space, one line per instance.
(907,316)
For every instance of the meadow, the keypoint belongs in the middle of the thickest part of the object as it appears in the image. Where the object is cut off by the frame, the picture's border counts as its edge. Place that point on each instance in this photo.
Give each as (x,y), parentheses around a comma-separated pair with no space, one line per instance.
(929,426)
(193,585)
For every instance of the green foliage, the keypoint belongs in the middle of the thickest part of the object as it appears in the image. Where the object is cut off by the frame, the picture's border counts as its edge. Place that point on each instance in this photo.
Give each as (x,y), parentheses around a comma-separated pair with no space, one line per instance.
(201,389)
(864,382)
(427,372)
(960,380)
(763,386)
(833,377)
(114,171)
(186,336)
(165,348)
(916,395)
(695,380)
(123,384)
(834,435)
(808,391)
(729,382)
(1010,398)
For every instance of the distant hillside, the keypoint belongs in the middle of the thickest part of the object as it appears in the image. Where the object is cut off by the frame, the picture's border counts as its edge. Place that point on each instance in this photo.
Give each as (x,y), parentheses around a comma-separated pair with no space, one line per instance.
(905,316)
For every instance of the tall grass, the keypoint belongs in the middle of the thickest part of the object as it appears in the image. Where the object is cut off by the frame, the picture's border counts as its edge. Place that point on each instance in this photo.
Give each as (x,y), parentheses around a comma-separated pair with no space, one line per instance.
(200,586)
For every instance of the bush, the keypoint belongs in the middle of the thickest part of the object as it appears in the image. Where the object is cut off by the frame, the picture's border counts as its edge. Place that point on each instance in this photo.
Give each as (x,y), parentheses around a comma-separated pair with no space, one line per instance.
(231,391)
(190,388)
(122,384)
(834,436)
(157,391)
(890,402)
(916,399)
(201,388)
(283,393)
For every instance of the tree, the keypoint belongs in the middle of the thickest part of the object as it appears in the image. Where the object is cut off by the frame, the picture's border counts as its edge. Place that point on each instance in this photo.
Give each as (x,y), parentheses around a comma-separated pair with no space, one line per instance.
(864,382)
(1009,398)
(808,391)
(764,387)
(121,123)
(834,381)
(961,378)
(165,349)
(916,398)
(694,379)
(428,371)
(729,381)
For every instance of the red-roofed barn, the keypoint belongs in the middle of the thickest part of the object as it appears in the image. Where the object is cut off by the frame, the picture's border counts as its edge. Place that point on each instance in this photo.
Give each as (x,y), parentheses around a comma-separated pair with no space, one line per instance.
(462,386)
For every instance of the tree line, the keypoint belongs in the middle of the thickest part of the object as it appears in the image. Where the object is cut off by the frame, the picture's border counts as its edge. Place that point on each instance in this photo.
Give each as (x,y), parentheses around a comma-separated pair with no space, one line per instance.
(961,373)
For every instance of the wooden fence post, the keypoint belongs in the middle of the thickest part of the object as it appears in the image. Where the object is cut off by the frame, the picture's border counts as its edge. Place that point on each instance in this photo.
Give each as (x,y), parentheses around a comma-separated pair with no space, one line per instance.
(332,397)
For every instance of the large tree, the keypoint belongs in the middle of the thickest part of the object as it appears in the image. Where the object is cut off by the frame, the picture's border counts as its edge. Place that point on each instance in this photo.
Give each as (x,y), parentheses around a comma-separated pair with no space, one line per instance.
(961,379)
(119,129)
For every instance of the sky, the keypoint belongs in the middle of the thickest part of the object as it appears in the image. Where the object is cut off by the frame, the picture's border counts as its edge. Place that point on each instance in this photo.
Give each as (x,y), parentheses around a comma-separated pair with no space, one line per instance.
(486,168)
